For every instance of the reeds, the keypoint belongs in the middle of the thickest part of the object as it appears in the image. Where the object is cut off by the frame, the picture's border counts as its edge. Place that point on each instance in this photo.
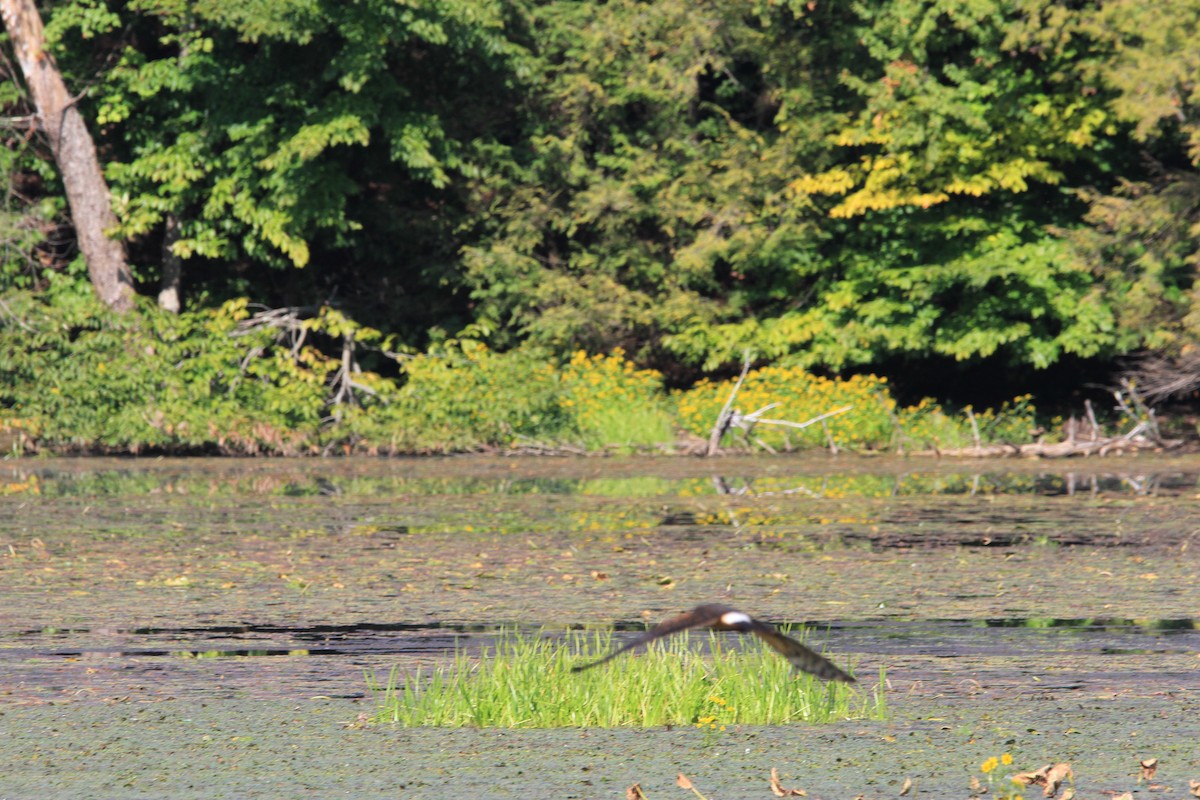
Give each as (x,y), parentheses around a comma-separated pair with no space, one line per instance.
(525,681)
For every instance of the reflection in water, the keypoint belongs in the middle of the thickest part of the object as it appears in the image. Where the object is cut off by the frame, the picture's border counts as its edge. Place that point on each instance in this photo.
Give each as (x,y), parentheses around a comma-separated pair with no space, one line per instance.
(840,479)
(878,636)
(1094,624)
(995,656)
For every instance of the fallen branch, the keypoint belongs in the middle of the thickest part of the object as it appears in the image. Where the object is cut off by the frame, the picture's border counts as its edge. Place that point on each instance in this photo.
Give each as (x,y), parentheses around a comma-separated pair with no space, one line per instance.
(291,326)
(745,423)
(527,446)
(804,424)
(1067,449)
(725,418)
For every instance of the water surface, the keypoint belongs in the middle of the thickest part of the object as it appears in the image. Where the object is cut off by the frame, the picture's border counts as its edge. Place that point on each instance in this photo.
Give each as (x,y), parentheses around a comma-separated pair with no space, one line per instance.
(166,579)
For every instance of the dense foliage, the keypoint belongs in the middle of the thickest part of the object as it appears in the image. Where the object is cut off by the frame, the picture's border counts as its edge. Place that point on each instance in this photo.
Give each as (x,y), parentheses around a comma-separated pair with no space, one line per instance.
(832,187)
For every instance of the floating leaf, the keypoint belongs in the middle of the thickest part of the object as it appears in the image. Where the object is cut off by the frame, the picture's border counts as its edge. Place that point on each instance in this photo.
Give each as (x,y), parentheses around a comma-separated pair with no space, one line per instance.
(1035,778)
(779,790)
(1055,776)
(682,781)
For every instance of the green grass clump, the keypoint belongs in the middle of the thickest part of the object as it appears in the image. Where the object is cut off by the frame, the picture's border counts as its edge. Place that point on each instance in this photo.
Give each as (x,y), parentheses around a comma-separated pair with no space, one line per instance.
(526,682)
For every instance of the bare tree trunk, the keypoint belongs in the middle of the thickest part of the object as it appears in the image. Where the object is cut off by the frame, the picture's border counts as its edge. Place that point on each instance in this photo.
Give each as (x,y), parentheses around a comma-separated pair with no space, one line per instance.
(172,267)
(75,153)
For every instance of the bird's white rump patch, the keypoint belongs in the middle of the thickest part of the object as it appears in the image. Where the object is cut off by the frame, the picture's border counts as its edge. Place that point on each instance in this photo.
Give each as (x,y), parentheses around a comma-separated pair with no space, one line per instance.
(734,618)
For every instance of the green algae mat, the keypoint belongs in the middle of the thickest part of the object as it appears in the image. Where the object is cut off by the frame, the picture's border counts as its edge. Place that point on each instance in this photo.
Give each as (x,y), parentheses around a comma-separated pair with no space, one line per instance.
(201,628)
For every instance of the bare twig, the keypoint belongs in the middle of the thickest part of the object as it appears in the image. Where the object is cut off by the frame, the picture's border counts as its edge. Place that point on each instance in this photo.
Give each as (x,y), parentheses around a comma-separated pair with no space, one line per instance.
(8,312)
(805,424)
(725,418)
(901,436)
(291,328)
(833,448)
(1161,377)
(1136,408)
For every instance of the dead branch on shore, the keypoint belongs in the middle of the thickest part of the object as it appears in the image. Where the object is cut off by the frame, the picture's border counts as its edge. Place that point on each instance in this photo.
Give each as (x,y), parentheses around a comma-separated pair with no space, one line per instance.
(731,419)
(1142,435)
(1159,377)
(526,446)
(291,326)
(725,418)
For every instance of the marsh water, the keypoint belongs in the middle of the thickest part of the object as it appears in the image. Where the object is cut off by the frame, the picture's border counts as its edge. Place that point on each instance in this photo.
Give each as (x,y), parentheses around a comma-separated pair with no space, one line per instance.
(189,582)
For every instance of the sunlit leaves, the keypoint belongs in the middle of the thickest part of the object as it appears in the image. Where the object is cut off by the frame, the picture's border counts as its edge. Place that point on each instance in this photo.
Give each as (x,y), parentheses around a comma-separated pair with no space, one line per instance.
(1154,66)
(835,184)
(252,124)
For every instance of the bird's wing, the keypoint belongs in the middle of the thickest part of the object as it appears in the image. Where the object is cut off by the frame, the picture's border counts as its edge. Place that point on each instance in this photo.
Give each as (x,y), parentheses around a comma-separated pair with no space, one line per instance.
(701,615)
(800,657)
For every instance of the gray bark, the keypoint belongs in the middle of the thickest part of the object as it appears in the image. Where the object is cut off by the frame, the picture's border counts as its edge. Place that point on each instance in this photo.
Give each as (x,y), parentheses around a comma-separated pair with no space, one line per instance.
(75,153)
(172,270)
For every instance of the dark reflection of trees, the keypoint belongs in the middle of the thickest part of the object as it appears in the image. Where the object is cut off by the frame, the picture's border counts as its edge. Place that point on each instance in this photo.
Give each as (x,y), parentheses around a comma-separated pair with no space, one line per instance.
(1093,623)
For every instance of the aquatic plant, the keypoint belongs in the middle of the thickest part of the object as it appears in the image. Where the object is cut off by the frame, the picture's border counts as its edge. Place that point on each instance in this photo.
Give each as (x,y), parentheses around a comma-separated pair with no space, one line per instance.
(525,681)
(1007,789)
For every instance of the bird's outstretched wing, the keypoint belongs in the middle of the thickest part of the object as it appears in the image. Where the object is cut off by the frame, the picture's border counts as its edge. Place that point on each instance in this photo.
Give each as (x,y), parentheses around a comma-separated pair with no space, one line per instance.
(697,617)
(718,616)
(800,657)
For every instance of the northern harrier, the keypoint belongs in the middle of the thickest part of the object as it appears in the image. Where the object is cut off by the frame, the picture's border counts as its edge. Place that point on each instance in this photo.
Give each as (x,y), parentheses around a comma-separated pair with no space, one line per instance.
(724,618)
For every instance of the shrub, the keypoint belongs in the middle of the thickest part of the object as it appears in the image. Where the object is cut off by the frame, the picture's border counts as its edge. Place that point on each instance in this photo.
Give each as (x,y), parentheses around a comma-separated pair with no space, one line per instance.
(88,379)
(801,396)
(465,397)
(287,381)
(610,402)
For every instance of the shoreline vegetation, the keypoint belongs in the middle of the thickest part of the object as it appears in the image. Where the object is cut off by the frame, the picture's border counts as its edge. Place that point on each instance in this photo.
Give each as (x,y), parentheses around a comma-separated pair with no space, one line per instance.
(243,381)
(561,227)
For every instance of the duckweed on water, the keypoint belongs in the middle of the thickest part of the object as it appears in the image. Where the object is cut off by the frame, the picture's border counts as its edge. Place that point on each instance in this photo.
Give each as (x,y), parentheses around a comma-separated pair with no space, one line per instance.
(526,682)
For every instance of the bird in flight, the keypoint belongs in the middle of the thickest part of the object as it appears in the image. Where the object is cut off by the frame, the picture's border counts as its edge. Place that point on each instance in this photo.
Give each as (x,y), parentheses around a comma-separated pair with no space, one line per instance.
(724,618)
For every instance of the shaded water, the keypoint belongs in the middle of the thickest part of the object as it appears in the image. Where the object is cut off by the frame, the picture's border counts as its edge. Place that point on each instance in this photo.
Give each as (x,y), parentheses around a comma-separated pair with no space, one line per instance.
(148,580)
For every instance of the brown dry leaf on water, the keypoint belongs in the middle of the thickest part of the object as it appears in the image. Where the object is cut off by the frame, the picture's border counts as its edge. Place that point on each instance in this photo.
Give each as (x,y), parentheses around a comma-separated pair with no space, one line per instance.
(907,785)
(779,790)
(1049,777)
(1035,778)
(1194,788)
(682,782)
(635,792)
(1149,767)
(1057,774)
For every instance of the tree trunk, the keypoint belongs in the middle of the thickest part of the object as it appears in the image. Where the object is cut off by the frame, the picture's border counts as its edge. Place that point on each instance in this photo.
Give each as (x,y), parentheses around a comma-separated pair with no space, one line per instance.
(75,153)
(172,269)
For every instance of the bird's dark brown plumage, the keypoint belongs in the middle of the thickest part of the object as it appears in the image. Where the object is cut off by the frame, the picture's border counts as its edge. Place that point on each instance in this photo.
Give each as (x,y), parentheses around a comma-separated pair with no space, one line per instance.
(725,618)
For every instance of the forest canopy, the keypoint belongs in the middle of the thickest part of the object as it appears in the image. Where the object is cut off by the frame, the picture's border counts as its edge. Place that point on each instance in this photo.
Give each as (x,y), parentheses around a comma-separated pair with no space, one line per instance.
(839,187)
